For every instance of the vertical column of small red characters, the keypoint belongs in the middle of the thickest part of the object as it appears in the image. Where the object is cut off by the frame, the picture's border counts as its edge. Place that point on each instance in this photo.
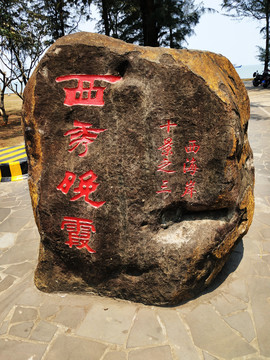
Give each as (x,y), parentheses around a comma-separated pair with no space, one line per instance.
(190,167)
(81,136)
(166,152)
(165,166)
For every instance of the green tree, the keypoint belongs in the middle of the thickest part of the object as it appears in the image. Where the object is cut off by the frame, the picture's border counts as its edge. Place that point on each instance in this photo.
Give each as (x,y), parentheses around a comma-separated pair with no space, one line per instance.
(178,20)
(257,9)
(110,13)
(22,41)
(262,54)
(149,22)
(26,29)
(60,17)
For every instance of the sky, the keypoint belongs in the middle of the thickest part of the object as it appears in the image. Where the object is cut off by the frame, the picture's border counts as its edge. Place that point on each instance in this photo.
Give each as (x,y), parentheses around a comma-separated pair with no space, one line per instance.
(237,40)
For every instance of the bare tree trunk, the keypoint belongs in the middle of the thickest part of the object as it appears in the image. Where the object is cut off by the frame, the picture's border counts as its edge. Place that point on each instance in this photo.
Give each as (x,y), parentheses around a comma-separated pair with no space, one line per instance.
(267,29)
(60,11)
(150,32)
(105,17)
(19,65)
(2,99)
(2,106)
(171,38)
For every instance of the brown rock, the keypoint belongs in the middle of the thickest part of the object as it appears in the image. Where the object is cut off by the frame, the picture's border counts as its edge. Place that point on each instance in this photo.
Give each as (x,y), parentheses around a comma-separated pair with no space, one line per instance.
(146,200)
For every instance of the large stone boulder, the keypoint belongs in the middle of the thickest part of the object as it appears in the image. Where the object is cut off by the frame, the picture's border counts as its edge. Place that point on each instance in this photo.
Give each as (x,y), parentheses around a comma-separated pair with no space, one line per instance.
(141,173)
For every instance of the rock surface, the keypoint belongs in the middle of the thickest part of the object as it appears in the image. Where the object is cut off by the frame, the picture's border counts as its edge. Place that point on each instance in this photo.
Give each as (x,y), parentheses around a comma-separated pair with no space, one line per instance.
(141,173)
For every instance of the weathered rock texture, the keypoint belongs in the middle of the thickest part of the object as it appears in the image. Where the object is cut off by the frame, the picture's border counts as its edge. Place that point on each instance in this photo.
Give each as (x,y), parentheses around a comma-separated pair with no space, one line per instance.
(172,200)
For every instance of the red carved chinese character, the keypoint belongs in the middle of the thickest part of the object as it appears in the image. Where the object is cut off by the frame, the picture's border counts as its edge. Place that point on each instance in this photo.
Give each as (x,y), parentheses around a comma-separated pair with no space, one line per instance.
(192,168)
(79,232)
(82,134)
(189,188)
(164,187)
(167,126)
(192,147)
(162,166)
(68,181)
(87,186)
(167,147)
(85,93)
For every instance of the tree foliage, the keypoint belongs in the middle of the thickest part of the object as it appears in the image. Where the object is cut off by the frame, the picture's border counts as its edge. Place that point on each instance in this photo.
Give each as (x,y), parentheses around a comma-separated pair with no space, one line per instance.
(149,22)
(259,10)
(60,17)
(262,54)
(21,45)
(26,29)
(178,20)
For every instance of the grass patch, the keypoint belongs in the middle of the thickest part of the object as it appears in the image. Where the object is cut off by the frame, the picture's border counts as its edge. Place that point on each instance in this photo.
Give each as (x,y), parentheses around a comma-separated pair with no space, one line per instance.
(11,134)
(13,104)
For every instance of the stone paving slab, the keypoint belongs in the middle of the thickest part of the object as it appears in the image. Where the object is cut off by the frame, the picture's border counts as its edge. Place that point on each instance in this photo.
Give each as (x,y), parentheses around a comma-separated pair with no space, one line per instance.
(231,320)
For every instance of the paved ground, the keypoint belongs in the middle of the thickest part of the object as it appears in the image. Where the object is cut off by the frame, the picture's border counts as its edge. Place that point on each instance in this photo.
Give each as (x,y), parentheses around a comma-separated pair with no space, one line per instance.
(230,321)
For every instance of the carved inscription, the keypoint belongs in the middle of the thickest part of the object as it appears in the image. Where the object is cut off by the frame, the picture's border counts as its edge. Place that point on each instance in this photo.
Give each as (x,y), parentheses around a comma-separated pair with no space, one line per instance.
(79,232)
(86,93)
(165,165)
(82,134)
(190,167)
